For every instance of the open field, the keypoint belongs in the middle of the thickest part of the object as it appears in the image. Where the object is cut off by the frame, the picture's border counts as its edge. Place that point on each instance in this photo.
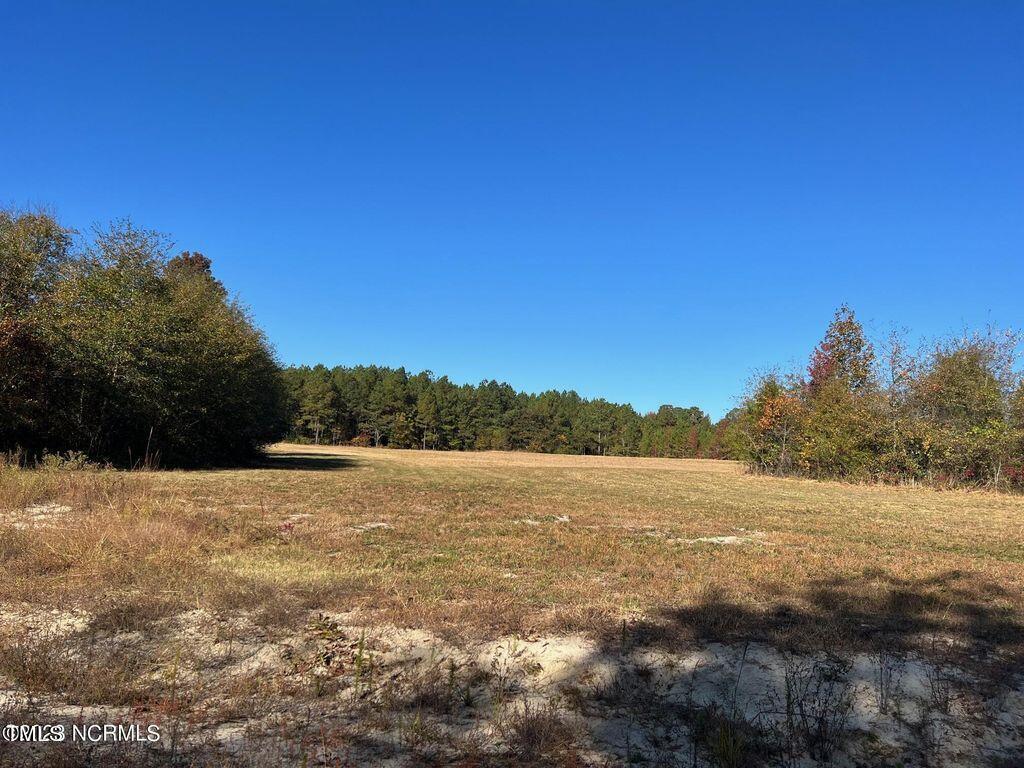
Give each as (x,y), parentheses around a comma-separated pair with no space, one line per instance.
(343,605)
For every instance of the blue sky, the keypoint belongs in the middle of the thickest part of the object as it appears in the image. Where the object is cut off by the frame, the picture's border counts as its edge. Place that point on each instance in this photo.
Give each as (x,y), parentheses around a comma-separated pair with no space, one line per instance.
(641,201)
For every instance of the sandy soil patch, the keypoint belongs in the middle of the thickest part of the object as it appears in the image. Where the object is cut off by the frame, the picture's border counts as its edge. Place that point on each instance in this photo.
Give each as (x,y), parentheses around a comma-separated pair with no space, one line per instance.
(398,696)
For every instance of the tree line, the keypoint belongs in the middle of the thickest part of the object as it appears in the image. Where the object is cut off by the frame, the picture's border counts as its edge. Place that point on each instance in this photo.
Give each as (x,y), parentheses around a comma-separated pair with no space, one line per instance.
(113,347)
(950,413)
(379,406)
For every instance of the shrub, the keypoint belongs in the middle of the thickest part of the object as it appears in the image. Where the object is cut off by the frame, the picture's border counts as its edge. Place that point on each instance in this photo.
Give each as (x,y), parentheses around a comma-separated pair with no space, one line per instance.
(953,416)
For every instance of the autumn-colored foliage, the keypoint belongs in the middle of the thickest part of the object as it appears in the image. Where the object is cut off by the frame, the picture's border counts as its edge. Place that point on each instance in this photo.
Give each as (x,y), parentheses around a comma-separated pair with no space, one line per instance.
(952,415)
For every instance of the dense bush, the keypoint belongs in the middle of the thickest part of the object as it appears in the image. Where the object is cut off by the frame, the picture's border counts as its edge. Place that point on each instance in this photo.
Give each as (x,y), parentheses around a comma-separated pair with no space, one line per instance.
(953,414)
(118,350)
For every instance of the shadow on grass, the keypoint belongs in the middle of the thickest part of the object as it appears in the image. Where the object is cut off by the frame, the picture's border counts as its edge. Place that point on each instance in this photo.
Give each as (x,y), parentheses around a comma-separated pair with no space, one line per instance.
(948,614)
(953,621)
(311,462)
(436,718)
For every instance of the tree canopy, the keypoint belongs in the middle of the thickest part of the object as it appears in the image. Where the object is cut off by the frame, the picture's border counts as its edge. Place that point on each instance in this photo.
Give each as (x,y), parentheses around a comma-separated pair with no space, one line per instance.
(382,406)
(115,346)
(120,350)
(951,414)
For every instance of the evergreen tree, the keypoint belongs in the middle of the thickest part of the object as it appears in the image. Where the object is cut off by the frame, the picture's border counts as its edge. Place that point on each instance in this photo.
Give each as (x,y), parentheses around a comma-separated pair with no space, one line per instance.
(428,418)
(318,404)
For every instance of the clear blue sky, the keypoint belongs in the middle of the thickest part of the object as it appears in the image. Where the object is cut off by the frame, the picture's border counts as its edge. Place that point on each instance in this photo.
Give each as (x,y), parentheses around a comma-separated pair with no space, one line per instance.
(641,201)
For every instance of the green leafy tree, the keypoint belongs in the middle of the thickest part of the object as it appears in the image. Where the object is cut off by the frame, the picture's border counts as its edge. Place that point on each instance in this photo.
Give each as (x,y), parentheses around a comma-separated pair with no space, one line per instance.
(34,248)
(151,363)
(773,419)
(964,395)
(401,435)
(840,433)
(844,419)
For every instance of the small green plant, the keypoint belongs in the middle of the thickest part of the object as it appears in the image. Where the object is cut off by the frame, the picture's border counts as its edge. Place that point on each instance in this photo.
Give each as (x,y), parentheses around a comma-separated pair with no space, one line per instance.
(728,745)
(70,461)
(362,667)
(417,732)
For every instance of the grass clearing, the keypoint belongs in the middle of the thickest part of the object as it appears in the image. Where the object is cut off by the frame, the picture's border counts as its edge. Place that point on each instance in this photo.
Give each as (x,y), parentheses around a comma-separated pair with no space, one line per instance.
(208,577)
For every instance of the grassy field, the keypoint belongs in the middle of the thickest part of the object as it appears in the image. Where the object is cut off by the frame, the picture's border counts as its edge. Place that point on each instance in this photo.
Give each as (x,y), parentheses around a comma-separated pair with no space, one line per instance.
(357,550)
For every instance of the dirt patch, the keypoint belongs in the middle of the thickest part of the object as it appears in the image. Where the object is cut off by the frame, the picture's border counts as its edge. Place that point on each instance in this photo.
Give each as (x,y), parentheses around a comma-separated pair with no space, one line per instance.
(374,526)
(543,520)
(36,515)
(727,540)
(229,689)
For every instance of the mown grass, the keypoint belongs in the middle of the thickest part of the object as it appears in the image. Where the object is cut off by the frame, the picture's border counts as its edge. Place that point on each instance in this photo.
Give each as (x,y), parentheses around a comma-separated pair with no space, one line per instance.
(493,543)
(473,547)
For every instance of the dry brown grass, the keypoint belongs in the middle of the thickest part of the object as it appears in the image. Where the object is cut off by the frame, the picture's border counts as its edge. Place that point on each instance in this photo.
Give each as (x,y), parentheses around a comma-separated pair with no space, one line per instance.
(469,546)
(492,543)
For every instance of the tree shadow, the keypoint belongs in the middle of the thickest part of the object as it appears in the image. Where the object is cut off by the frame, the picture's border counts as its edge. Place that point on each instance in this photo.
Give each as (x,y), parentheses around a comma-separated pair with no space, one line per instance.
(649,710)
(697,700)
(852,613)
(952,622)
(303,461)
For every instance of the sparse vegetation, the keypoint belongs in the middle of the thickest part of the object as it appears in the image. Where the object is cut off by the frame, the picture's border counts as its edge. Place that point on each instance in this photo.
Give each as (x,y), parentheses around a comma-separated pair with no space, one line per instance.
(342,603)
